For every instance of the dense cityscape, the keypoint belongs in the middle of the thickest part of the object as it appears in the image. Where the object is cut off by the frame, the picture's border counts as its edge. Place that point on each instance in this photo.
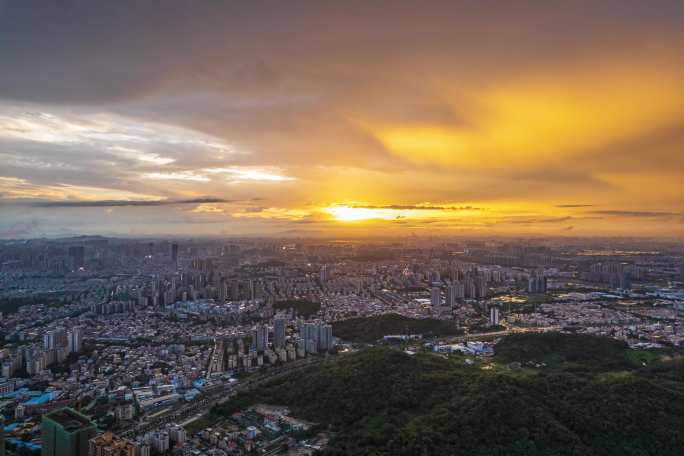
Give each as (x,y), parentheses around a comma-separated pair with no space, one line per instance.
(126,344)
(341,228)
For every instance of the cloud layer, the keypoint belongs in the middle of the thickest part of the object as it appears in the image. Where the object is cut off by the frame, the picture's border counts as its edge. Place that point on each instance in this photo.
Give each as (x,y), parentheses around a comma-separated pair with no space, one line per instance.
(345,118)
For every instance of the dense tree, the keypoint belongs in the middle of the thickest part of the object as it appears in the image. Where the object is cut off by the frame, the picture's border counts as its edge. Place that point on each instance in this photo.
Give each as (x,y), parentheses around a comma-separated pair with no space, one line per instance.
(370,329)
(302,307)
(589,401)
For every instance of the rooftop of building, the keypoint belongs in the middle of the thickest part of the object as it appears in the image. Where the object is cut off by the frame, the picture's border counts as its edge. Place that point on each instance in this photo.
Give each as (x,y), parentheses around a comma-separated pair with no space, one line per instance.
(110,440)
(70,420)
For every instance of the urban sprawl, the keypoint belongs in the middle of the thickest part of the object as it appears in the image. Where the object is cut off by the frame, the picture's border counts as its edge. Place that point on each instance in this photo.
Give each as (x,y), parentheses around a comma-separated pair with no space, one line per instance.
(122,347)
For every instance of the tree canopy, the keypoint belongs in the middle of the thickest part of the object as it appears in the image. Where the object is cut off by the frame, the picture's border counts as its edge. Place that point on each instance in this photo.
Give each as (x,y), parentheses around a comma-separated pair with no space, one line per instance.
(381,401)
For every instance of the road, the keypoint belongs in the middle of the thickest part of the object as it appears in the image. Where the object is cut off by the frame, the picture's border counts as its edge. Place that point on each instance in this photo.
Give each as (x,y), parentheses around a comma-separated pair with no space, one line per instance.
(218,396)
(504,332)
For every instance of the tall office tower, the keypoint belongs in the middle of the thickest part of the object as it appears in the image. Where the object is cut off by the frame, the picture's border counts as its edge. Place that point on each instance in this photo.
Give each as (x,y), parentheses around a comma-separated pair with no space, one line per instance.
(279,332)
(494,315)
(325,273)
(174,254)
(77,257)
(109,444)
(435,296)
(75,339)
(65,432)
(260,338)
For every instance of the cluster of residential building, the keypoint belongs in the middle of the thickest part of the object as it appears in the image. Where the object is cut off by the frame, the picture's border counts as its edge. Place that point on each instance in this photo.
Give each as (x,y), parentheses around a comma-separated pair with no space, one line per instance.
(260,428)
(127,332)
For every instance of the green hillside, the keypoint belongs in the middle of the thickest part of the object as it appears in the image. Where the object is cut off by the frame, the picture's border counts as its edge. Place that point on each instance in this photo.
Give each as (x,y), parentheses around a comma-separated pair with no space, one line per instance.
(585,350)
(383,402)
(370,329)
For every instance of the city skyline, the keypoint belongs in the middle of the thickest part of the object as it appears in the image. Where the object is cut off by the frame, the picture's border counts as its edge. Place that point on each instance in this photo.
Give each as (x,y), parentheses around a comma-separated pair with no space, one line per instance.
(346,119)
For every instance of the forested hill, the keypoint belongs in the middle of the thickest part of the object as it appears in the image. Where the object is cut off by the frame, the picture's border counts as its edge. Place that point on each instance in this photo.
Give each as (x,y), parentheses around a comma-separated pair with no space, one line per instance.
(370,329)
(384,402)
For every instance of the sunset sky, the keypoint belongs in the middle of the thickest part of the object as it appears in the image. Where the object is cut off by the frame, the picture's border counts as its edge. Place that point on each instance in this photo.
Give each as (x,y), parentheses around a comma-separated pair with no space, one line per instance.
(342,118)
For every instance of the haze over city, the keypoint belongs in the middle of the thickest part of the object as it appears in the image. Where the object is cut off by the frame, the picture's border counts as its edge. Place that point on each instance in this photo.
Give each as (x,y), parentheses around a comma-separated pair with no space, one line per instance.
(341,118)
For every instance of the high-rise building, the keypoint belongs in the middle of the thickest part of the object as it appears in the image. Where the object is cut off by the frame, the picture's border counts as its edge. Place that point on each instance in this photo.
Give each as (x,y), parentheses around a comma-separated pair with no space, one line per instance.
(310,334)
(325,274)
(317,337)
(174,254)
(279,325)
(252,289)
(537,284)
(325,338)
(481,287)
(75,339)
(49,340)
(56,338)
(455,292)
(144,449)
(494,315)
(177,435)
(65,432)
(621,280)
(223,292)
(235,290)
(470,290)
(260,338)
(160,441)
(435,296)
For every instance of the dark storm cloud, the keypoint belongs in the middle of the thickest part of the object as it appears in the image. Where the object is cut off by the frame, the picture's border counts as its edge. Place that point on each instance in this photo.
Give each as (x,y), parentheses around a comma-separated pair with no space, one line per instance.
(91,52)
